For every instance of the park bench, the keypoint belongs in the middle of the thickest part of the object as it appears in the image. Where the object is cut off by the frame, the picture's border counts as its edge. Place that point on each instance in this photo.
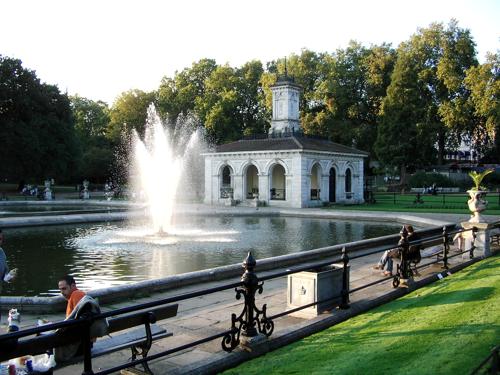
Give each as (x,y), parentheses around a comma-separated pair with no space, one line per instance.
(425,250)
(139,340)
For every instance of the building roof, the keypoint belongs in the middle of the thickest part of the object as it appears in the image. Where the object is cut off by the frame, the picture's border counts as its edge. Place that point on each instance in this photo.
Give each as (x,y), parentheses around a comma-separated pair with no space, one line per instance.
(294,142)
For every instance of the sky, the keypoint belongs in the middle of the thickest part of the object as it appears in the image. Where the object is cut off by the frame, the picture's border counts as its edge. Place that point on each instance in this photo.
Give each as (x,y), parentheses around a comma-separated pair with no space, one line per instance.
(99,49)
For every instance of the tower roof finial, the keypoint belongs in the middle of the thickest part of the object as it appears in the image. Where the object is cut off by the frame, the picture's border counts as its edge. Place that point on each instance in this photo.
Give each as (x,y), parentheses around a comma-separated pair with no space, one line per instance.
(285,77)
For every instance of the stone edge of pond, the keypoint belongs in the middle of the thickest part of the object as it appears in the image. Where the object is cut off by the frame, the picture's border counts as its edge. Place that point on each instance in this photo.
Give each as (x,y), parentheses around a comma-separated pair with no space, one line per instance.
(148,287)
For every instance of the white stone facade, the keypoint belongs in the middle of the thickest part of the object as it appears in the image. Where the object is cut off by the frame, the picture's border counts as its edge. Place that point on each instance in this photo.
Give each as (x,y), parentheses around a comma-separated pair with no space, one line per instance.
(284,178)
(285,169)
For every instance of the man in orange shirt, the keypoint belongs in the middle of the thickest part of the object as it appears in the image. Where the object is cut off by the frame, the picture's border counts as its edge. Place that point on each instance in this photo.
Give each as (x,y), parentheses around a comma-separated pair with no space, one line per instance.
(67,286)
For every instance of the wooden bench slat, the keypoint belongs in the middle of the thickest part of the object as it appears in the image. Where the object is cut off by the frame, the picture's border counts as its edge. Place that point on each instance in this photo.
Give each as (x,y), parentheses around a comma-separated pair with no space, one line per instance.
(126,340)
(137,318)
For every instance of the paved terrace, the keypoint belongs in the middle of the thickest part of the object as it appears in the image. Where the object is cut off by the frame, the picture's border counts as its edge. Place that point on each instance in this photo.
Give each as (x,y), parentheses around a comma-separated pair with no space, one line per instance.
(207,315)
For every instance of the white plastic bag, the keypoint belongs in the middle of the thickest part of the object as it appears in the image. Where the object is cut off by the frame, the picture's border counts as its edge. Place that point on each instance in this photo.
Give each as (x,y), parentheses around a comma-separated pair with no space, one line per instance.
(10,276)
(43,362)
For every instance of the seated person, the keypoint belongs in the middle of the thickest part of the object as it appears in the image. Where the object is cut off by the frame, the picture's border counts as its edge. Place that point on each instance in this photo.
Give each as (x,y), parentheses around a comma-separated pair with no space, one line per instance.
(79,305)
(389,255)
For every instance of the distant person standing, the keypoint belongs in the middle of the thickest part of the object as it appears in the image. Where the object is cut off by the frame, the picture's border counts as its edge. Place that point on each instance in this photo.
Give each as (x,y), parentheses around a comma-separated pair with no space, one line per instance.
(4,268)
(5,275)
(67,286)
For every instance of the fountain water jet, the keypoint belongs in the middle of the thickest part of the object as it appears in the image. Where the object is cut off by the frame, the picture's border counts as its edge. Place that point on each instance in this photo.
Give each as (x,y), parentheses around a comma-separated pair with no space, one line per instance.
(159,161)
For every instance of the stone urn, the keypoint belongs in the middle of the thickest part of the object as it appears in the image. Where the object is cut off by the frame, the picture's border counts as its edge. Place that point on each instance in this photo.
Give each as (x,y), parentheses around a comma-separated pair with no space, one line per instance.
(477,204)
(47,194)
(86,193)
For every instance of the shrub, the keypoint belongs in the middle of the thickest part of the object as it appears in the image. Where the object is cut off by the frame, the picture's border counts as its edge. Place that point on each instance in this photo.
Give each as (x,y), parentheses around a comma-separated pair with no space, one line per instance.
(422,179)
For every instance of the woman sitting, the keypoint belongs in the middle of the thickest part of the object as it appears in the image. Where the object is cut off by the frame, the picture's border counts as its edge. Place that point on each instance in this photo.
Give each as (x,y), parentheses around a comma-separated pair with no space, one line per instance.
(388,256)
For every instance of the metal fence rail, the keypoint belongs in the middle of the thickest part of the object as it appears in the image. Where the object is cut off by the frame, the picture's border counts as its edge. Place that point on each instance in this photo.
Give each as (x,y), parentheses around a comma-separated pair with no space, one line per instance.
(252,319)
(425,201)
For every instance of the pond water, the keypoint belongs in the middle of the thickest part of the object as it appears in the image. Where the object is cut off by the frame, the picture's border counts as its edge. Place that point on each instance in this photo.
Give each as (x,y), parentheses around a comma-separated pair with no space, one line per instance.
(112,254)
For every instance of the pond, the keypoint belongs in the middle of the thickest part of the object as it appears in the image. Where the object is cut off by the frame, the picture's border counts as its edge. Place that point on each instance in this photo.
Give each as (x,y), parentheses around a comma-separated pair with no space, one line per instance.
(112,254)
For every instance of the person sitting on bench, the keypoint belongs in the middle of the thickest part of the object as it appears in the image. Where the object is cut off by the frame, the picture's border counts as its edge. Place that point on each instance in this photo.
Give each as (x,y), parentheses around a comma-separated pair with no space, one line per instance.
(388,256)
(79,305)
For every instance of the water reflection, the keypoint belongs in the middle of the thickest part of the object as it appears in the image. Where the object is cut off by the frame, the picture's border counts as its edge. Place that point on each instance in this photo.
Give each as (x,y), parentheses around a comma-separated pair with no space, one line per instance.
(114,254)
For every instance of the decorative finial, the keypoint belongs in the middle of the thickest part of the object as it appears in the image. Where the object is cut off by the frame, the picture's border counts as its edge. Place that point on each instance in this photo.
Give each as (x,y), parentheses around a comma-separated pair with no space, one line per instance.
(286,70)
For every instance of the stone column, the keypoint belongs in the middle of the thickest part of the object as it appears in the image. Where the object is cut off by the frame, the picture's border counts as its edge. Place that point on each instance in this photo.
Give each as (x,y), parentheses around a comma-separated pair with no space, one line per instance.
(264,187)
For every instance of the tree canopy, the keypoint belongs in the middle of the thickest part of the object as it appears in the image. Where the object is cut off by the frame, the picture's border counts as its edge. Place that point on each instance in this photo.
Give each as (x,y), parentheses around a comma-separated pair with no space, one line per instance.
(36,127)
(406,106)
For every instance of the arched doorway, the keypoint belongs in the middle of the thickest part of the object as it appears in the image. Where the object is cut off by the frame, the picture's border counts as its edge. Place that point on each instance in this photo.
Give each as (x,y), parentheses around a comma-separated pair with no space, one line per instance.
(252,182)
(348,183)
(278,183)
(315,182)
(226,186)
(332,185)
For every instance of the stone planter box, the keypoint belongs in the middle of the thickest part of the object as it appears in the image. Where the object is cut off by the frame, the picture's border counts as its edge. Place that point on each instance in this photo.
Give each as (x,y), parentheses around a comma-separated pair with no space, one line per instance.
(315,285)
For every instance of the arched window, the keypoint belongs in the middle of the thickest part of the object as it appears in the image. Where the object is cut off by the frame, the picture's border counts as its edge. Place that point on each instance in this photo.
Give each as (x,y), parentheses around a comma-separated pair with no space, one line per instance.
(226,176)
(226,189)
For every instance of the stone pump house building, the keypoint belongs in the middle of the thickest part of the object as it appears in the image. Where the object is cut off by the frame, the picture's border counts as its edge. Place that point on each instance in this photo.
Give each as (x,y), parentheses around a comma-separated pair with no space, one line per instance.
(285,168)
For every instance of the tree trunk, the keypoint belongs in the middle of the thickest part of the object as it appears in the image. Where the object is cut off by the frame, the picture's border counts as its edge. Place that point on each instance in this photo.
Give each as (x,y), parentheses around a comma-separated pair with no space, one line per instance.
(441,146)
(402,176)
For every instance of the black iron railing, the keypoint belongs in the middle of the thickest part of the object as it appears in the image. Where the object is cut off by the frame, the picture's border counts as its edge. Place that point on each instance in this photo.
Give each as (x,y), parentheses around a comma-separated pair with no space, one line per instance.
(226,192)
(252,319)
(278,194)
(315,194)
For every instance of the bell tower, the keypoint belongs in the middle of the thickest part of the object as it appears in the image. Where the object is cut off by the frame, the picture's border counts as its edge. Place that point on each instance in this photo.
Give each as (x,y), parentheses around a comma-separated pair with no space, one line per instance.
(286,95)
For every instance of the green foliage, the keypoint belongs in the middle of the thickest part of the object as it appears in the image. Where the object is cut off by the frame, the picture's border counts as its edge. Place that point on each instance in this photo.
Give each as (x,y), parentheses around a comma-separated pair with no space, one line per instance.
(36,127)
(478,177)
(483,81)
(426,100)
(129,112)
(448,327)
(422,179)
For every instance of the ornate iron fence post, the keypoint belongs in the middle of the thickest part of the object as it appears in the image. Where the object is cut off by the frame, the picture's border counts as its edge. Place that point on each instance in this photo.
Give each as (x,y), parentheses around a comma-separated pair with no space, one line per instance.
(405,246)
(446,246)
(251,320)
(250,285)
(344,304)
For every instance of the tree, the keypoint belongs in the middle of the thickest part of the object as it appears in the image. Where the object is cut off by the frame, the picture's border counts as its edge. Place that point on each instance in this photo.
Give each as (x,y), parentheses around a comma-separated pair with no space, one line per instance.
(251,96)
(91,122)
(424,102)
(91,119)
(36,127)
(128,112)
(483,81)
(177,95)
(218,107)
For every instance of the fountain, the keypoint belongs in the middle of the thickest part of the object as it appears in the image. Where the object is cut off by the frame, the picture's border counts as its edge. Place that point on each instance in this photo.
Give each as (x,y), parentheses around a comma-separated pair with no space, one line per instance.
(159,165)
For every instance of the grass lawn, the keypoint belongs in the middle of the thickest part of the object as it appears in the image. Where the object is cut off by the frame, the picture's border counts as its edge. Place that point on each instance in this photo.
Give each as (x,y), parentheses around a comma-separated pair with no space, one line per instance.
(441,203)
(448,327)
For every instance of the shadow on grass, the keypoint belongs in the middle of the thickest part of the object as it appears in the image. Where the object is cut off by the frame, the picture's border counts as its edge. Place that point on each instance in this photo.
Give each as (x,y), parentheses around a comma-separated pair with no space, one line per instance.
(440,298)
(358,335)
